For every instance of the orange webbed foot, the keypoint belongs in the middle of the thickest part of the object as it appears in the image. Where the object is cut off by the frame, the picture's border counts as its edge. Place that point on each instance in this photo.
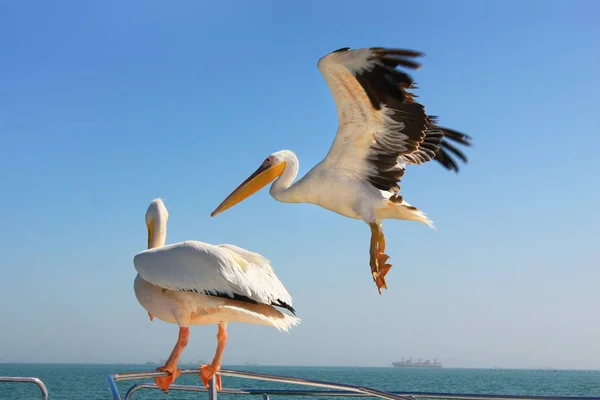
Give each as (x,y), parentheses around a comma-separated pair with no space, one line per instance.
(380,269)
(378,259)
(208,371)
(163,382)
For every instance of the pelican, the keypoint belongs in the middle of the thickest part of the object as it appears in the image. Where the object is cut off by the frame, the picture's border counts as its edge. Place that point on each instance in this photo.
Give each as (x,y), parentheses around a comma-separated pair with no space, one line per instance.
(196,283)
(381,129)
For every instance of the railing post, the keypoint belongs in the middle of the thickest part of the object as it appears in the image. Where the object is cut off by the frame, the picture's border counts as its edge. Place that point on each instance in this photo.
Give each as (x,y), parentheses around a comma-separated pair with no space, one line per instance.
(112,386)
(212,388)
(27,379)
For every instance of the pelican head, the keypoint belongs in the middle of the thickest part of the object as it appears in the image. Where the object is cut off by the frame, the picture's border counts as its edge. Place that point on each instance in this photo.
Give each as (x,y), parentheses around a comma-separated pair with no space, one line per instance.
(156,221)
(269,170)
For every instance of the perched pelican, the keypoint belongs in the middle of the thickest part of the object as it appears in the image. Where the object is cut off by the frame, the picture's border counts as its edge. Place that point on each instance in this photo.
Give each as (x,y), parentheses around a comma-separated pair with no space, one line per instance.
(195,283)
(381,130)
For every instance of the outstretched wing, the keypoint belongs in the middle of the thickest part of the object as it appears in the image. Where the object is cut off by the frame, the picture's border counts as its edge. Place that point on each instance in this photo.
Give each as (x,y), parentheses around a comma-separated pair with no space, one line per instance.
(379,121)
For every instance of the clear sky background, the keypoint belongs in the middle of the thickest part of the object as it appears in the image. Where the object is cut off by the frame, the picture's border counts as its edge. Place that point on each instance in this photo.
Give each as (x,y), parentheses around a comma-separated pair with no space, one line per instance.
(108,105)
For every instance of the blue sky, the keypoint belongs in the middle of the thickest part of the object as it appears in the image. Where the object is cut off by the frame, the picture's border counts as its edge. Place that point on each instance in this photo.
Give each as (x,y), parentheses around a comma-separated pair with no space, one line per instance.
(107,105)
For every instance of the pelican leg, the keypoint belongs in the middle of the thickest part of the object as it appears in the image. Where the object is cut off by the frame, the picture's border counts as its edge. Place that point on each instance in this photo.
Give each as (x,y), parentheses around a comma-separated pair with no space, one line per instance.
(170,366)
(378,258)
(381,242)
(208,371)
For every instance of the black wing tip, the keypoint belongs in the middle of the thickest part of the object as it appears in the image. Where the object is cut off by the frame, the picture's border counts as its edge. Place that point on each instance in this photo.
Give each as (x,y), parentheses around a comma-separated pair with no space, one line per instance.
(444,156)
(455,135)
(398,57)
(459,137)
(240,297)
(341,50)
(445,148)
(285,305)
(390,55)
(397,51)
(387,50)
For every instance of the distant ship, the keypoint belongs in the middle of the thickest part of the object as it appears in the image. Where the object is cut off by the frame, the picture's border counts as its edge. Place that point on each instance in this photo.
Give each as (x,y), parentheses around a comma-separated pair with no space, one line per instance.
(417,364)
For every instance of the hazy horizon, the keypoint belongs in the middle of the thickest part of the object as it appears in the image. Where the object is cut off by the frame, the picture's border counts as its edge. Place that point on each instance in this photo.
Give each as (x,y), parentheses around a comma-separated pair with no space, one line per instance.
(226,365)
(109,105)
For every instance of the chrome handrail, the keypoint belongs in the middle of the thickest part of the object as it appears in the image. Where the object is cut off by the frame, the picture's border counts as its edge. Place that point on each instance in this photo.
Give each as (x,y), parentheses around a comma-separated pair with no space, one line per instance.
(364,391)
(338,389)
(27,379)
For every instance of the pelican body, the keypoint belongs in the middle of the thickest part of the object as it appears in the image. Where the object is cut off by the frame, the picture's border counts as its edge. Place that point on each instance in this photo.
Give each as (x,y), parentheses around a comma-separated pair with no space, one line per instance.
(381,130)
(196,283)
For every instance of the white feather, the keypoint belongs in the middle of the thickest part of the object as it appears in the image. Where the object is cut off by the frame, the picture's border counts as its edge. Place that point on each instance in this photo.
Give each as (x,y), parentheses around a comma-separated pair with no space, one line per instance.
(359,122)
(246,254)
(202,267)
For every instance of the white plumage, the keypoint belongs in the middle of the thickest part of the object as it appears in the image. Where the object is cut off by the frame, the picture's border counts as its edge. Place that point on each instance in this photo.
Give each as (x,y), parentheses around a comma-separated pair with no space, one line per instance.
(381,130)
(204,268)
(360,125)
(196,283)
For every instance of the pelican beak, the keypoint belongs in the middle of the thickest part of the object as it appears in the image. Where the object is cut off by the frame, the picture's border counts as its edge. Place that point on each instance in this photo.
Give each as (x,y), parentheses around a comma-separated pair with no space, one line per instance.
(265,174)
(150,231)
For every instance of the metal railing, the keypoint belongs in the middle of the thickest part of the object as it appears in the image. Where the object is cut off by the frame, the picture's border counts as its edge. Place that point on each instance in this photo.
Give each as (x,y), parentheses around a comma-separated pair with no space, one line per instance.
(27,379)
(336,389)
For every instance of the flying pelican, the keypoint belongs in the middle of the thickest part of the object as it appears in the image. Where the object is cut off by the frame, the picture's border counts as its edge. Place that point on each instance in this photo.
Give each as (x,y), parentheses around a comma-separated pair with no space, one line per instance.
(381,130)
(196,283)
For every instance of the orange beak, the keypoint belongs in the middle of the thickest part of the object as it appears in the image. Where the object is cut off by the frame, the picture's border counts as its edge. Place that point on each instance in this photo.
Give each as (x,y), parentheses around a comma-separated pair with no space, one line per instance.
(259,179)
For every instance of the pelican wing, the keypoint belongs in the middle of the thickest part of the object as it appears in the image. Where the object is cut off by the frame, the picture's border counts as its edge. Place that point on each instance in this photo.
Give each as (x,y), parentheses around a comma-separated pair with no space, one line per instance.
(381,127)
(436,147)
(378,119)
(247,255)
(224,270)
